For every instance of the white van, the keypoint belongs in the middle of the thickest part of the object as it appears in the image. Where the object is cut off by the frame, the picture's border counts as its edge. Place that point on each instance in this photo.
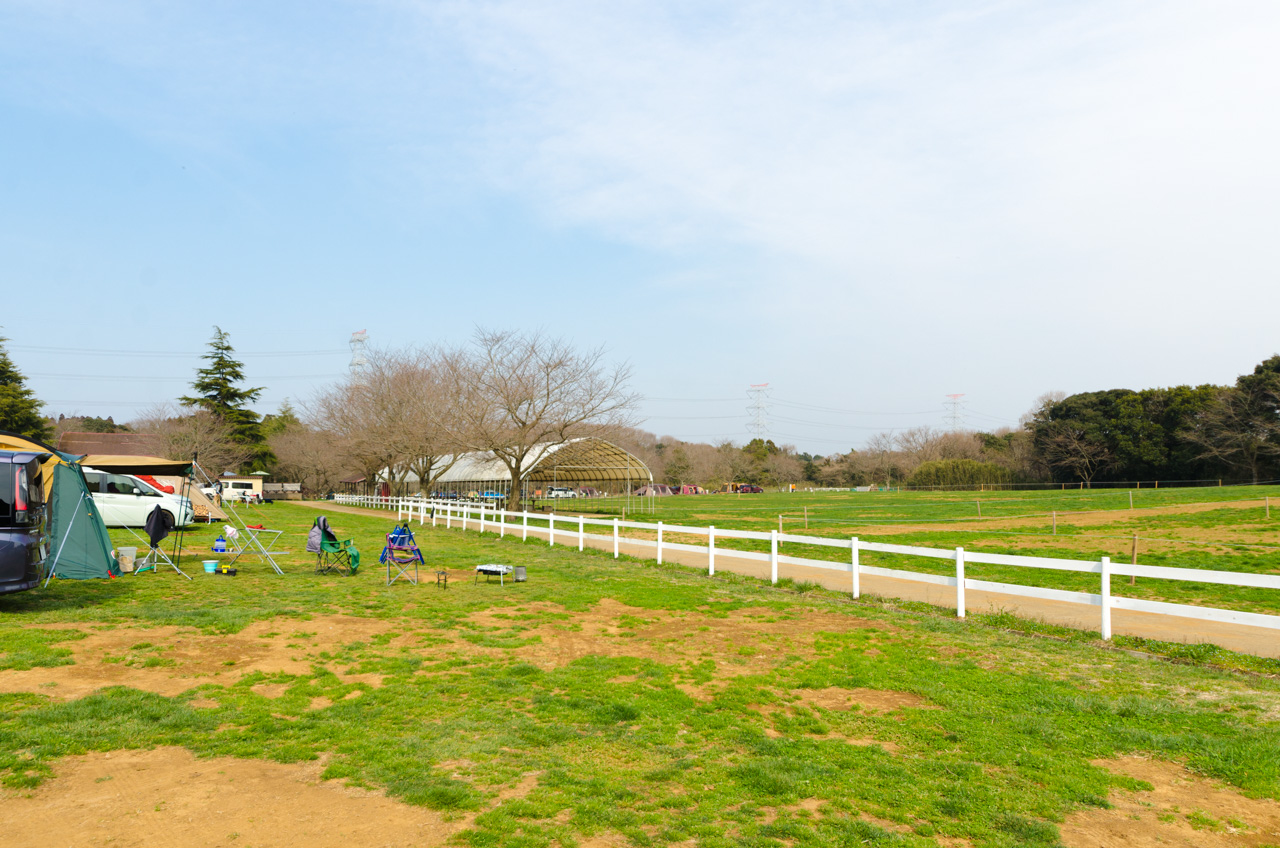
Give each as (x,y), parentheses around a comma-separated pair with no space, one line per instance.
(125,501)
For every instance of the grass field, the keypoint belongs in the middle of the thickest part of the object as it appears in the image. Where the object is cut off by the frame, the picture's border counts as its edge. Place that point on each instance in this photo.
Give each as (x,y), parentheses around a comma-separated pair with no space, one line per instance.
(613,702)
(1215,528)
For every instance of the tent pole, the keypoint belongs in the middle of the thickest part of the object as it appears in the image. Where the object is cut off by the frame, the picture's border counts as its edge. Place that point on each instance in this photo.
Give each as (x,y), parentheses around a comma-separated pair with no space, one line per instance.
(184,494)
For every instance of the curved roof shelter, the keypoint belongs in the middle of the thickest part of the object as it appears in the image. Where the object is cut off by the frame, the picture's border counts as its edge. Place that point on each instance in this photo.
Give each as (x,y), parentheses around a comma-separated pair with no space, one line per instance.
(586,460)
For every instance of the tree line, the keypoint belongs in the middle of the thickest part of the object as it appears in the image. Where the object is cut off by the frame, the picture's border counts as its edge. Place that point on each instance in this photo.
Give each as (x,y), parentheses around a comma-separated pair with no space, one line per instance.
(410,413)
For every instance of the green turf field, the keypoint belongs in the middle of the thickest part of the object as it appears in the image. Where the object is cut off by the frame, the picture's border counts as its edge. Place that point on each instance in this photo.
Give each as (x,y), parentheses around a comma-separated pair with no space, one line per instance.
(653,705)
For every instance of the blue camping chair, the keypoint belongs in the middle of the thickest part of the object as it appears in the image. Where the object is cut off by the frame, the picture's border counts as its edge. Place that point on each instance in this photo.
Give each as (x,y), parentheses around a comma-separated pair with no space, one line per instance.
(401,552)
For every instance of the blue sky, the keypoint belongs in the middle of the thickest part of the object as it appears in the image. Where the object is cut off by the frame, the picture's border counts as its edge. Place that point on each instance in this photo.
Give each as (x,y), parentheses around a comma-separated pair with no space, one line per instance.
(868,206)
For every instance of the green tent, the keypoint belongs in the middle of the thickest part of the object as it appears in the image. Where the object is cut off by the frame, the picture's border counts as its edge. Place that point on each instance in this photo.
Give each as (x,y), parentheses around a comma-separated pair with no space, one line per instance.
(79,547)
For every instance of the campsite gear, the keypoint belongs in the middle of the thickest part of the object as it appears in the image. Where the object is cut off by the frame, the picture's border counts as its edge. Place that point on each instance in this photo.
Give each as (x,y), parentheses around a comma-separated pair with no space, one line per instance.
(401,551)
(226,569)
(126,557)
(79,547)
(158,528)
(210,566)
(442,579)
(332,554)
(518,575)
(491,569)
(219,545)
(249,541)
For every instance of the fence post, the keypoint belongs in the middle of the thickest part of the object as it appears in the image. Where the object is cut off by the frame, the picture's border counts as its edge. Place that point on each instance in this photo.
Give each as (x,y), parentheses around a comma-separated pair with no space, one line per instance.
(524,526)
(448,517)
(481,518)
(502,524)
(1106,598)
(711,551)
(433,515)
(581,535)
(659,543)
(855,568)
(551,530)
(773,556)
(615,537)
(466,513)
(959,582)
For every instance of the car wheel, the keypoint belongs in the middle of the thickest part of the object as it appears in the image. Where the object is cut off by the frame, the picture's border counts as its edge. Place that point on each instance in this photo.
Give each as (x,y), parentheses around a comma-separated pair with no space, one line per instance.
(168,519)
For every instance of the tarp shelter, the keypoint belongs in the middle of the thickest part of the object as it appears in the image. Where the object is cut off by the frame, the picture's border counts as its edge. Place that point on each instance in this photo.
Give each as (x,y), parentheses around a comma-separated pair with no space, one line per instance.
(79,546)
(153,465)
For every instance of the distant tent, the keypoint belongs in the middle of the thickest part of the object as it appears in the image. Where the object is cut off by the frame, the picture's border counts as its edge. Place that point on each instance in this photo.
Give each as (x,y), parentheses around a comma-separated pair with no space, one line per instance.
(691,490)
(79,546)
(653,489)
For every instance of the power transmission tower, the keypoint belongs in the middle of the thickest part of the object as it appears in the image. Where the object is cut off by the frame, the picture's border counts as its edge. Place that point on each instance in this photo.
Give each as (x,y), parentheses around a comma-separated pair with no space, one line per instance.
(955,412)
(758,409)
(358,359)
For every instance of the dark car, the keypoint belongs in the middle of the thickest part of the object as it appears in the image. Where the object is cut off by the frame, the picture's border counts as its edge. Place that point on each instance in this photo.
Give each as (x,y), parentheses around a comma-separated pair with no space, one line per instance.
(751,490)
(22,522)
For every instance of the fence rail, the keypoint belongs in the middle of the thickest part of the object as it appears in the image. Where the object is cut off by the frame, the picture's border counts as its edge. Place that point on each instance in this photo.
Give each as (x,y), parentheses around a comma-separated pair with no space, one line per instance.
(564,529)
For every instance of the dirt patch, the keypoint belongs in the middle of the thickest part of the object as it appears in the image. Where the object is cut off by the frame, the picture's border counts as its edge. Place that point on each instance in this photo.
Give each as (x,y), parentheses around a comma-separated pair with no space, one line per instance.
(170,660)
(750,639)
(1182,810)
(168,797)
(871,700)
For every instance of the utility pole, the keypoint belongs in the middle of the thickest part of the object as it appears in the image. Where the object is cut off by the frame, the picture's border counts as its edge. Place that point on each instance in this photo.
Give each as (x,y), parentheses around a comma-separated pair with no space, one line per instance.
(758,409)
(955,412)
(358,359)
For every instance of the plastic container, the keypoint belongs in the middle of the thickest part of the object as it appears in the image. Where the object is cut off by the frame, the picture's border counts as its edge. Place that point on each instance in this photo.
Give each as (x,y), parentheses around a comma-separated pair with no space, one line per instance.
(125,558)
(219,545)
(210,566)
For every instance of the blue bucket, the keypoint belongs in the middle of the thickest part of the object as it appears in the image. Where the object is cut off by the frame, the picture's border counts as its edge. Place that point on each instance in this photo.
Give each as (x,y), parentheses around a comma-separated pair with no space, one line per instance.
(210,566)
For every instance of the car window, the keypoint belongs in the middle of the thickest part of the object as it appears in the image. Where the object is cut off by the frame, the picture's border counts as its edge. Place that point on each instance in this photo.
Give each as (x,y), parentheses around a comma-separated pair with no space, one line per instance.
(94,480)
(8,480)
(118,484)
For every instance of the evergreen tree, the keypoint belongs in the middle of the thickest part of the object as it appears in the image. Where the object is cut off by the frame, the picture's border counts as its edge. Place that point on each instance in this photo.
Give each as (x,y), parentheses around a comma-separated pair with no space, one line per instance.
(217,392)
(19,409)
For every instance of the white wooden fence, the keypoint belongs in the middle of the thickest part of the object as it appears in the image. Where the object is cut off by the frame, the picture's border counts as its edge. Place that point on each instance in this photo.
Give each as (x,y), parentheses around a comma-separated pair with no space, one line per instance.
(573,529)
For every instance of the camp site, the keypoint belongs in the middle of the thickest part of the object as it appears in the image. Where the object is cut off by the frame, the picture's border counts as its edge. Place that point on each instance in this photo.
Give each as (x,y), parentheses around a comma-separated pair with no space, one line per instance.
(639,425)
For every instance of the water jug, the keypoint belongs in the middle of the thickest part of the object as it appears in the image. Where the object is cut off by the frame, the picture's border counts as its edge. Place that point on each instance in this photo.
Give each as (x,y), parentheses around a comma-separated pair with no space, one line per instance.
(219,545)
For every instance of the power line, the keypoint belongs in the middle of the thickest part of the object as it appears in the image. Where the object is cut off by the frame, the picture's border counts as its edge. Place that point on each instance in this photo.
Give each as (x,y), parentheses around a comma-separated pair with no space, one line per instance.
(168,353)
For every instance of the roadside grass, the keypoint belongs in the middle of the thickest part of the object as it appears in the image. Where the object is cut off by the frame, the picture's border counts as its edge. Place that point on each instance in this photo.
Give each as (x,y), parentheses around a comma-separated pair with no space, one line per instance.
(721,710)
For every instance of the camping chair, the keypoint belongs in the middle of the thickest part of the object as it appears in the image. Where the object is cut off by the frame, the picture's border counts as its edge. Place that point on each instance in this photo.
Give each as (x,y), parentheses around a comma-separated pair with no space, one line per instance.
(402,552)
(157,529)
(332,553)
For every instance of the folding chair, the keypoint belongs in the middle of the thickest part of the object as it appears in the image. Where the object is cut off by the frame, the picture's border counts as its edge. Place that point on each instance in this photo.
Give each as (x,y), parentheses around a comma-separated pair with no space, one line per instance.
(401,551)
(332,554)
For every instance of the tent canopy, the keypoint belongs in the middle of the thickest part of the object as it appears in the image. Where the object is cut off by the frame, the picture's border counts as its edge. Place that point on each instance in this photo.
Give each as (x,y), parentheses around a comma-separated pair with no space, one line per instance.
(153,465)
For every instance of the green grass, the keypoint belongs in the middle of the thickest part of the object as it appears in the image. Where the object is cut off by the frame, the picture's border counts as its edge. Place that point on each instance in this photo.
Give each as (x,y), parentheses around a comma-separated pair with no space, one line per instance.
(1232,534)
(663,728)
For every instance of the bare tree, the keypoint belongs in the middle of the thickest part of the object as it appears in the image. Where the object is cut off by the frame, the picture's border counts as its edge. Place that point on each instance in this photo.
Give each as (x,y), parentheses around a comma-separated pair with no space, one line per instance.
(308,456)
(1073,448)
(1240,429)
(186,434)
(521,394)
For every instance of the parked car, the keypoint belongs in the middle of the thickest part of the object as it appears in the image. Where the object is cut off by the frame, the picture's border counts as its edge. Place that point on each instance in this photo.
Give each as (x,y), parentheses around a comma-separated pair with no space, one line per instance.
(125,501)
(561,492)
(751,490)
(23,545)
(492,496)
